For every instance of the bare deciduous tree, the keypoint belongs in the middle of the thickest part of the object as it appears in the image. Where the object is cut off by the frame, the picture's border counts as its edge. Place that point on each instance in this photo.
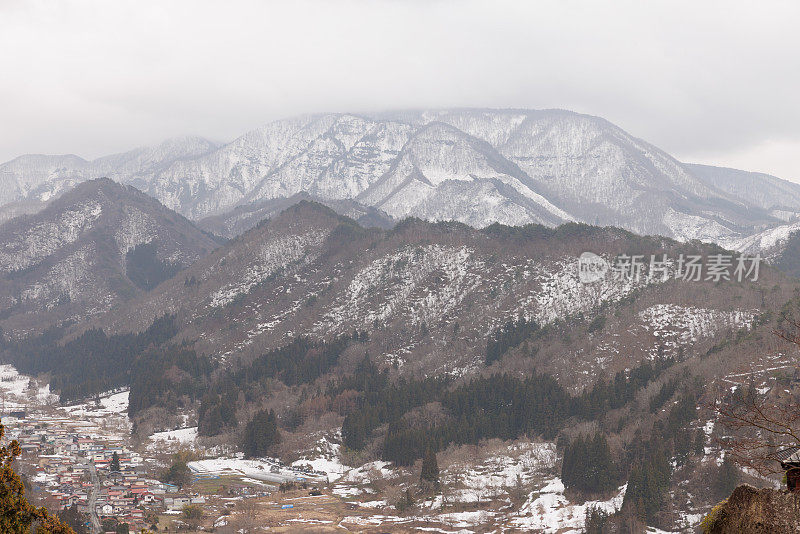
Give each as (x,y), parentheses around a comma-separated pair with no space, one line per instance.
(248,510)
(761,423)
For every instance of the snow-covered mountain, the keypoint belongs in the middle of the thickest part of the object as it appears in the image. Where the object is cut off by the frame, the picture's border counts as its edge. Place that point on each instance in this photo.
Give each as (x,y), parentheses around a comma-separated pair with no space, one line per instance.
(94,247)
(242,218)
(473,166)
(433,291)
(42,177)
(779,197)
(289,312)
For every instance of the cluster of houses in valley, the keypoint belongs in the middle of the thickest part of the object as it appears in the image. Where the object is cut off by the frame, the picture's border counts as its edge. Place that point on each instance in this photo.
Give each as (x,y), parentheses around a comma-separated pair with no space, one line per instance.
(72,466)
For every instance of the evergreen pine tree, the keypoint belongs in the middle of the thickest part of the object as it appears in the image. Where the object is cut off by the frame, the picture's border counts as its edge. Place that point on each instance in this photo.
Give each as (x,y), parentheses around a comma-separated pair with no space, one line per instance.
(727,478)
(430,468)
(648,484)
(178,473)
(588,465)
(115,461)
(74,519)
(260,434)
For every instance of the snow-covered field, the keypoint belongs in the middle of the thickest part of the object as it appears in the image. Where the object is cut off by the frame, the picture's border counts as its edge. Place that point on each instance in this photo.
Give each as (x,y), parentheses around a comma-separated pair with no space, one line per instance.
(548,511)
(324,459)
(20,391)
(516,465)
(262,469)
(109,404)
(182,436)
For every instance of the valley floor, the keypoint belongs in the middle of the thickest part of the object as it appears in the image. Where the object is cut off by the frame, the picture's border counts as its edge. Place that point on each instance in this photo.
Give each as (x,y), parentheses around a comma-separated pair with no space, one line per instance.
(505,486)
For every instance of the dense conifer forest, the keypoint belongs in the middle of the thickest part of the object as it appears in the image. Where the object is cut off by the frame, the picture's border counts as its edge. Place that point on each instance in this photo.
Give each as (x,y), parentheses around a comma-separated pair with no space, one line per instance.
(91,363)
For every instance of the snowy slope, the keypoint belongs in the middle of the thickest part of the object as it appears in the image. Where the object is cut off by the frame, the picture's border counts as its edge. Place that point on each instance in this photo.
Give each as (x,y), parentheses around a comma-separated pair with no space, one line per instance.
(69,261)
(473,166)
(780,197)
(430,294)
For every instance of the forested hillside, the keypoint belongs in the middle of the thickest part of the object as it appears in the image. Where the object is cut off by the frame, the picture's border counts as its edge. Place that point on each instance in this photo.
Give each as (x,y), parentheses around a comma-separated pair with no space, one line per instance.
(96,247)
(434,336)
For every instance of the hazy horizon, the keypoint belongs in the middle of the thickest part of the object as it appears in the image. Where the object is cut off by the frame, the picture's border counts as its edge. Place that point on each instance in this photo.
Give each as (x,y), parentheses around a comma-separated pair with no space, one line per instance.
(711,83)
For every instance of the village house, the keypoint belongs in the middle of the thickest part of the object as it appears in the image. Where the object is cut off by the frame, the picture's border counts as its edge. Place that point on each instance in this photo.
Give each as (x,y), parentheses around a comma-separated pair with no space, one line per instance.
(85,444)
(176,502)
(789,459)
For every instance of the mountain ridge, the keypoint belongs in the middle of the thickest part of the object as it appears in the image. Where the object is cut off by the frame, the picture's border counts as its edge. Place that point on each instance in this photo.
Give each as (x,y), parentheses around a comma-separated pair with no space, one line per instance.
(314,271)
(90,249)
(315,317)
(477,166)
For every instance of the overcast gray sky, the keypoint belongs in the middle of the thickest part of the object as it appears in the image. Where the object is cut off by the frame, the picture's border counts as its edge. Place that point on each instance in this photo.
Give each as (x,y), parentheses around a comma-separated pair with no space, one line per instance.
(713,82)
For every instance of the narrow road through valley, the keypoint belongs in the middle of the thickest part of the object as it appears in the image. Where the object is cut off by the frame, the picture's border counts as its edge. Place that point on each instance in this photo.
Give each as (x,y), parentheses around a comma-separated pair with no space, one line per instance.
(93,498)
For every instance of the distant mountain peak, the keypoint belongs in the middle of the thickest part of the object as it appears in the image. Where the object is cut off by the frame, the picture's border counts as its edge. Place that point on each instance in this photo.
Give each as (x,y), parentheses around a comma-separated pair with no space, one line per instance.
(476,166)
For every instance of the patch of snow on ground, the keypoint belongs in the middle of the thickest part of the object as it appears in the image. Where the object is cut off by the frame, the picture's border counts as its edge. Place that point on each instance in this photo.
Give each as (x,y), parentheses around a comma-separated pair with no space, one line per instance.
(110,404)
(262,469)
(366,472)
(11,382)
(547,510)
(688,323)
(19,390)
(373,504)
(466,519)
(324,459)
(181,435)
(518,464)
(348,484)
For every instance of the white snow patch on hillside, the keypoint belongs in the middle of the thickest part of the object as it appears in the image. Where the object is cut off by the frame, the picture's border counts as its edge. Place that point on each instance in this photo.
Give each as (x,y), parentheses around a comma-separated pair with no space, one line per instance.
(688,323)
(763,242)
(466,519)
(324,459)
(519,464)
(352,482)
(548,511)
(261,469)
(561,293)
(135,229)
(67,277)
(273,255)
(19,390)
(184,436)
(109,404)
(688,227)
(366,472)
(44,239)
(401,276)
(11,382)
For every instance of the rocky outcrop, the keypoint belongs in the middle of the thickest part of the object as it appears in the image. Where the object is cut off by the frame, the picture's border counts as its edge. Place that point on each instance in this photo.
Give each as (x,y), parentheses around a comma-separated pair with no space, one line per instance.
(755,511)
